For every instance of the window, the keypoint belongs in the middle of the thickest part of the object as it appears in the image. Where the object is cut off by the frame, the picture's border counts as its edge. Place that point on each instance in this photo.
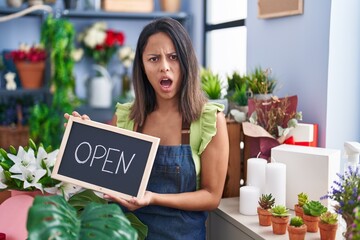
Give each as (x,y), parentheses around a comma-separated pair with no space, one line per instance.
(225,36)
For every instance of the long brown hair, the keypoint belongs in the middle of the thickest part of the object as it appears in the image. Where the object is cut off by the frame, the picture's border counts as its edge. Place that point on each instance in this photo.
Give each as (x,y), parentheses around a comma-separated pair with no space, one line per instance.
(192,98)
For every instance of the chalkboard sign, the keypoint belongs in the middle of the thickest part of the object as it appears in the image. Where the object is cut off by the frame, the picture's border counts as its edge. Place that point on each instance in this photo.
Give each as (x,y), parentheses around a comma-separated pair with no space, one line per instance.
(105,158)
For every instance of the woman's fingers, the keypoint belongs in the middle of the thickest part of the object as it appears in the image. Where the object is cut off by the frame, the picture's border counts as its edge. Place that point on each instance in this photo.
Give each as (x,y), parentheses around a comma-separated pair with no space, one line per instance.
(75,114)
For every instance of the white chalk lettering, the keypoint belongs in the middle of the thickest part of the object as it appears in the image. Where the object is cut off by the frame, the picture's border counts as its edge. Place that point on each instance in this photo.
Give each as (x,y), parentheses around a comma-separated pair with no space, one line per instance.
(76,155)
(122,159)
(107,159)
(97,157)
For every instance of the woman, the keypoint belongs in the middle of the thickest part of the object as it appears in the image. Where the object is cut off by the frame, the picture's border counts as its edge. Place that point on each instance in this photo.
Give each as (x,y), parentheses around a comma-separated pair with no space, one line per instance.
(187,180)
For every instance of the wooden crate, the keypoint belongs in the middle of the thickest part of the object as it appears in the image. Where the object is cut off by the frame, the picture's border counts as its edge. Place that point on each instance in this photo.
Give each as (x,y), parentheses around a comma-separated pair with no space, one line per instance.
(128,5)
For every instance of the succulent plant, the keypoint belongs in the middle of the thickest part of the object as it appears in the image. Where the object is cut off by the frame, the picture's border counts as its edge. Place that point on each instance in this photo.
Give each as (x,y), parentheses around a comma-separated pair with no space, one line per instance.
(279,211)
(302,199)
(329,217)
(314,208)
(266,201)
(296,221)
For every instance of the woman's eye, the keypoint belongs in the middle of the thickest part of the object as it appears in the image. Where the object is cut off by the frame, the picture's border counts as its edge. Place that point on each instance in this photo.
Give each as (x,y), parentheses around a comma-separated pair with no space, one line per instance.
(173,57)
(153,59)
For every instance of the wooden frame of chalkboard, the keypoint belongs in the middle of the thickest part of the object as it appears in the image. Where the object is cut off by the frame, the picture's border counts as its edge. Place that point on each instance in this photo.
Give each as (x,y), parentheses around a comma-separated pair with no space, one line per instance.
(105,158)
(279,8)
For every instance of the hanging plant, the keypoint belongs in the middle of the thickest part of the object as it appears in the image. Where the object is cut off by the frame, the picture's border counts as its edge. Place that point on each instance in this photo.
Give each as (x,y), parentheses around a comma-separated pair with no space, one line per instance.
(46,121)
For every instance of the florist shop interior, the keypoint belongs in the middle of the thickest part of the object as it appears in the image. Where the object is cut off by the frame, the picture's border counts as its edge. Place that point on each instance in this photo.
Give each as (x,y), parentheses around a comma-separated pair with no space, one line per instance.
(287,74)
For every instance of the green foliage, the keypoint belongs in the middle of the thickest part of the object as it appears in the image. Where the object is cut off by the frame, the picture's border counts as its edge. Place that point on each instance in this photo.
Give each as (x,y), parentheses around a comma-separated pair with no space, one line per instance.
(211,84)
(329,217)
(80,200)
(260,82)
(266,201)
(279,211)
(51,217)
(314,208)
(296,221)
(237,89)
(46,122)
(302,199)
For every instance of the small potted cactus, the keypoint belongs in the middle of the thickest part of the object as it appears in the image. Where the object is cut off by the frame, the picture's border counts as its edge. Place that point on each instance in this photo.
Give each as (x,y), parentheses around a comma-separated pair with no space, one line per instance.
(312,211)
(266,202)
(297,228)
(279,219)
(328,225)
(302,199)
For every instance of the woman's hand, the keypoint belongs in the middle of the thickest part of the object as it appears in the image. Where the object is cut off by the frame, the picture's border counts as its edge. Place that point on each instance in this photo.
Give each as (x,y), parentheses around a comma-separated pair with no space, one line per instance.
(134,203)
(75,114)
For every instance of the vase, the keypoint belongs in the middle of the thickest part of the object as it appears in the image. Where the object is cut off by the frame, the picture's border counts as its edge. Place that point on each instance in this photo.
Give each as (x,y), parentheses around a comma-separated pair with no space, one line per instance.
(328,231)
(31,74)
(299,211)
(279,224)
(264,217)
(100,88)
(170,5)
(28,193)
(35,2)
(14,3)
(297,233)
(311,222)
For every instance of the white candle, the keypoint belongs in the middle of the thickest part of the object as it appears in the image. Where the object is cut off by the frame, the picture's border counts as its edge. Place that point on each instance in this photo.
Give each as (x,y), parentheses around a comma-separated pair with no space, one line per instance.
(248,200)
(276,182)
(256,173)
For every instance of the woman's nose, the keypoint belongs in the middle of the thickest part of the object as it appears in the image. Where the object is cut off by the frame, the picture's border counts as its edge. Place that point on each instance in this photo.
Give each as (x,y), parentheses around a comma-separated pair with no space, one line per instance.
(164,66)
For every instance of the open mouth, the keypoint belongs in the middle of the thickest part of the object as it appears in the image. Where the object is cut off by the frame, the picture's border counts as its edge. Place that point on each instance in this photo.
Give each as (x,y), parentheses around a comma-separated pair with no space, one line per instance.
(165,83)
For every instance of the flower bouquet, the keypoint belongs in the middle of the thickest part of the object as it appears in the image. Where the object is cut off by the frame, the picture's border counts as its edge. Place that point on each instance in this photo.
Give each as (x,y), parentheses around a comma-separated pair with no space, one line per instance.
(29,169)
(100,43)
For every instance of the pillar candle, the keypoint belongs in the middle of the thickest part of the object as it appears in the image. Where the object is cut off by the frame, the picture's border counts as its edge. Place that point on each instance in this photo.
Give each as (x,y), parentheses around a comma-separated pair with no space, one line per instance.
(256,173)
(248,200)
(276,182)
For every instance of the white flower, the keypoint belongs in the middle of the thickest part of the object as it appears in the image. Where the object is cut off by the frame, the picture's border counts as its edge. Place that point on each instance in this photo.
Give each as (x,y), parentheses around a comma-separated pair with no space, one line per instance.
(2,179)
(30,177)
(46,160)
(23,158)
(126,55)
(94,37)
(77,54)
(64,189)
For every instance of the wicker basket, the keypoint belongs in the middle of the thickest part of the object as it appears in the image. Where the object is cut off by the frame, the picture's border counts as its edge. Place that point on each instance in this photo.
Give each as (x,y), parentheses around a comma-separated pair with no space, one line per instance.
(14,135)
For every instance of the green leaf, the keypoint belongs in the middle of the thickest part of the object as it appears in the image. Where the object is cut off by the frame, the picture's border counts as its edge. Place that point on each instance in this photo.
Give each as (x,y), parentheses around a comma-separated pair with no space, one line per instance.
(51,217)
(141,228)
(80,200)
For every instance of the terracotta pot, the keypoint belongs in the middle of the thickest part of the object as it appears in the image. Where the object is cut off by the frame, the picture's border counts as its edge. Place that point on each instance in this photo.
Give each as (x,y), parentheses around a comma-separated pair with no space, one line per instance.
(279,224)
(264,217)
(170,5)
(297,233)
(28,193)
(31,74)
(299,211)
(327,231)
(311,222)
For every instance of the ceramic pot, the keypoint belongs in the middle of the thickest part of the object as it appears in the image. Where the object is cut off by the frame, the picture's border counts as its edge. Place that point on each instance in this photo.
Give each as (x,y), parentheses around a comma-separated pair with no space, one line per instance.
(264,217)
(327,231)
(297,233)
(311,222)
(279,224)
(299,211)
(14,3)
(31,74)
(35,2)
(170,5)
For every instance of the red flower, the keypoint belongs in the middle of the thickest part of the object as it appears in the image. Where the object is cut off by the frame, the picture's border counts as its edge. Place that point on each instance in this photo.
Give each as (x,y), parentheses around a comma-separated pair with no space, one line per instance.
(34,54)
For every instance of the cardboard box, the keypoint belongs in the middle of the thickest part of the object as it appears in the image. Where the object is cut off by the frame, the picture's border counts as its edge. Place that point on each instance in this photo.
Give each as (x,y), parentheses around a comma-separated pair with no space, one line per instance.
(128,5)
(311,170)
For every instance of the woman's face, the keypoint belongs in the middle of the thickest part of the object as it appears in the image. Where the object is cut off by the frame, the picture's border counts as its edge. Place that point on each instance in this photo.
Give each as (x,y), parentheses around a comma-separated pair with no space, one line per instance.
(162,66)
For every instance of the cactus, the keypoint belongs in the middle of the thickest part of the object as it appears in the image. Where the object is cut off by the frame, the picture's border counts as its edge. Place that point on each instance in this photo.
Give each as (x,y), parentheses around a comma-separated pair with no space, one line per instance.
(266,201)
(329,217)
(302,199)
(296,221)
(279,211)
(314,208)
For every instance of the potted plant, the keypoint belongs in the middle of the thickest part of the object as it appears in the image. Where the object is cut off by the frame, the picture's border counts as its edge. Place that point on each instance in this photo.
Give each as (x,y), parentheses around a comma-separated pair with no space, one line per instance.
(260,83)
(213,87)
(266,202)
(279,219)
(312,211)
(328,225)
(296,228)
(237,92)
(30,64)
(302,199)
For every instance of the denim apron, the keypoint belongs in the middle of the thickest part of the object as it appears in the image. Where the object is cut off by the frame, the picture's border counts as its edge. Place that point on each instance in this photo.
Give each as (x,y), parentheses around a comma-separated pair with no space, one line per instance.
(173,172)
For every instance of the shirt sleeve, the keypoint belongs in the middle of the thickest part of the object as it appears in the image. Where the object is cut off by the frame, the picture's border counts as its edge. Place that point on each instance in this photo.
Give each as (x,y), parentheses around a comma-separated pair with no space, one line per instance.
(122,113)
